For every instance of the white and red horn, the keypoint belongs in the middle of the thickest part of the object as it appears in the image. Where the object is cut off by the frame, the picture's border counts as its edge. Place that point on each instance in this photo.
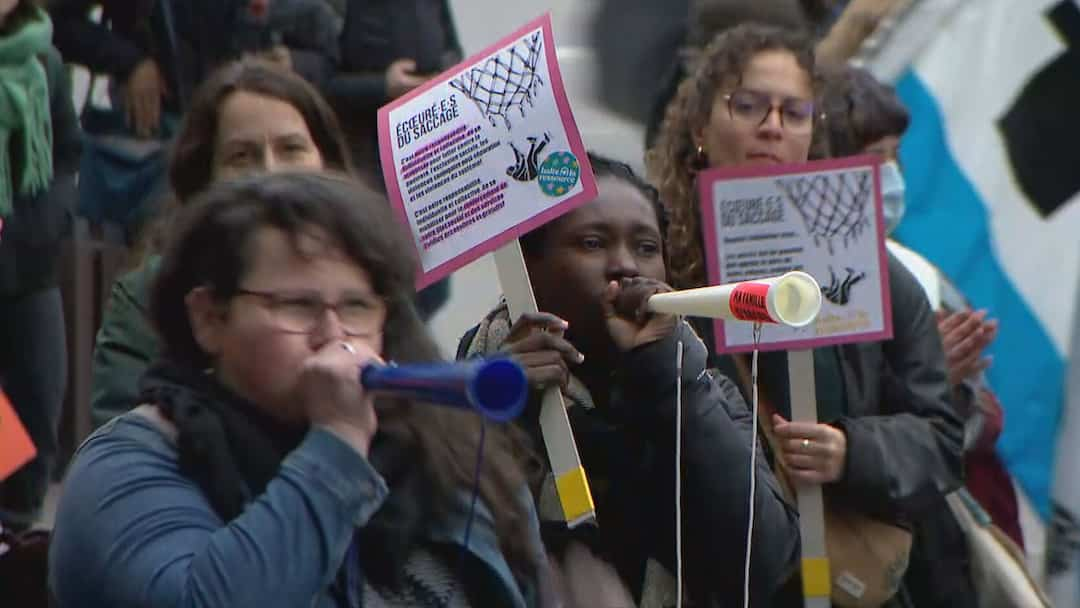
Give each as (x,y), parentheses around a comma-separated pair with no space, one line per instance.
(792,299)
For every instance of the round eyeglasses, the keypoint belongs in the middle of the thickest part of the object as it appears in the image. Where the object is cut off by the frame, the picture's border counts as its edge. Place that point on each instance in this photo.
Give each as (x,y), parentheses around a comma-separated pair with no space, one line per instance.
(754,107)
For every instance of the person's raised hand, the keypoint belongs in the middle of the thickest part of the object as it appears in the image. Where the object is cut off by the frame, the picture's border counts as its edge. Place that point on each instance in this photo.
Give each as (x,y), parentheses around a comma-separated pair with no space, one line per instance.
(401,77)
(814,453)
(330,392)
(536,342)
(964,336)
(626,311)
(143,94)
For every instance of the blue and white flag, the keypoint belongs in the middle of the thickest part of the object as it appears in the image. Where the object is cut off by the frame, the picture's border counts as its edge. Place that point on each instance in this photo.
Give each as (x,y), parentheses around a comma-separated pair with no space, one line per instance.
(992,164)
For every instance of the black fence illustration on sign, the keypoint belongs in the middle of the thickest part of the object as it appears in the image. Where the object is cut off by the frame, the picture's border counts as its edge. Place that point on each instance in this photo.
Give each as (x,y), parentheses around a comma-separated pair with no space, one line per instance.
(506,82)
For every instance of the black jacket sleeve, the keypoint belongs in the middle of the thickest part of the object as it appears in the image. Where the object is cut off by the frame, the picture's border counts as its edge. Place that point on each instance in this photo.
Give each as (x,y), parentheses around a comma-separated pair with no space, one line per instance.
(310,29)
(453,44)
(313,66)
(465,342)
(100,49)
(907,454)
(67,138)
(363,92)
(716,456)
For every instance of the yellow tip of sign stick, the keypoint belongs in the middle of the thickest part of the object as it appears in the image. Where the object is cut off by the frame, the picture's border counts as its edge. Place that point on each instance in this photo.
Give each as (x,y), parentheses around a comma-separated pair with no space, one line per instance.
(815,577)
(575,496)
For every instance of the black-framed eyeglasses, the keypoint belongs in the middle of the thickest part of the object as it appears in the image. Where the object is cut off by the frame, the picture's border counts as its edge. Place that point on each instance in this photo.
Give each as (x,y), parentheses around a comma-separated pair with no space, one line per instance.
(754,107)
(302,312)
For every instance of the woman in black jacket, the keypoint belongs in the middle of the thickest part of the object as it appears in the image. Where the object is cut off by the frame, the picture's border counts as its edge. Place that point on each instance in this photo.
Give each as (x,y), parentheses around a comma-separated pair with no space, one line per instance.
(388,48)
(889,444)
(39,150)
(591,271)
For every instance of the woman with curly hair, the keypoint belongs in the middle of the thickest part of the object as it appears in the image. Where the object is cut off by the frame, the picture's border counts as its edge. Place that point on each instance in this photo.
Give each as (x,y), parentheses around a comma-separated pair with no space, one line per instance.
(723,116)
(888,445)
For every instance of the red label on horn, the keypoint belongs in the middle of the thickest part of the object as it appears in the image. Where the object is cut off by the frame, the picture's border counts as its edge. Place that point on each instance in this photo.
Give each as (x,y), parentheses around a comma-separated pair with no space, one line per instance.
(747,302)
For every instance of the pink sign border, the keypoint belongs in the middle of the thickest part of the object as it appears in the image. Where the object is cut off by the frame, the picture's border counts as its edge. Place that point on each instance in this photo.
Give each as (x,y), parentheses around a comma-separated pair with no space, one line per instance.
(706,181)
(588,180)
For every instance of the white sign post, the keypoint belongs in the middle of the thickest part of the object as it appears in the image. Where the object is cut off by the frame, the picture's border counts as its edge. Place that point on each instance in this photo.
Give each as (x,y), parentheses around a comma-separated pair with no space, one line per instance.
(823,218)
(817,581)
(570,481)
(477,157)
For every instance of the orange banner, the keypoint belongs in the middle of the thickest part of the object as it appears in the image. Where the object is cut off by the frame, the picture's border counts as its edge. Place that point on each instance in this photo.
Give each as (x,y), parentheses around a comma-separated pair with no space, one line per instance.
(16,449)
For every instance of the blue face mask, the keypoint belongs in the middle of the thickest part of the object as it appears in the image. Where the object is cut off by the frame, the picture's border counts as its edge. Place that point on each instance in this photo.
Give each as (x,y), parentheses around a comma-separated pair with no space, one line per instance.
(892,195)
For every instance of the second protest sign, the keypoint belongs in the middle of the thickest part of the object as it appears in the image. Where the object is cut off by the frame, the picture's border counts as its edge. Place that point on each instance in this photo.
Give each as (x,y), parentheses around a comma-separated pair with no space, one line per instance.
(484,152)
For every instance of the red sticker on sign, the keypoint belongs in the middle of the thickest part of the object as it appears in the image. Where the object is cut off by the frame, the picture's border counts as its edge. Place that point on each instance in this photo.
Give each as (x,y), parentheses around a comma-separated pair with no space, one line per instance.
(748,302)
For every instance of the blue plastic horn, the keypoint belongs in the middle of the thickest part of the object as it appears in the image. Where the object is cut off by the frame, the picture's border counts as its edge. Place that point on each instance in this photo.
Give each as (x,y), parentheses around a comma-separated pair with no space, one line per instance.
(496,388)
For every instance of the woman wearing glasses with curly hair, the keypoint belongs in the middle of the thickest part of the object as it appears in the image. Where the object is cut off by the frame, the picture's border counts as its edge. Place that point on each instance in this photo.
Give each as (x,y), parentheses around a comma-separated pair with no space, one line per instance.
(888,444)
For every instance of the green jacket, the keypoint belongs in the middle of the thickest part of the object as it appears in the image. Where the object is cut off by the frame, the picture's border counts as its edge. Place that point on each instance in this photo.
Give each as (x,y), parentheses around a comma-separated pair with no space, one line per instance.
(126,344)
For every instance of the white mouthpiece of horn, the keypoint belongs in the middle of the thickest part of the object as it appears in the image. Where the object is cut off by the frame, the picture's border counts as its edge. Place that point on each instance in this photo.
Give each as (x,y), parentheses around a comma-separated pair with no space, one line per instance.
(792,299)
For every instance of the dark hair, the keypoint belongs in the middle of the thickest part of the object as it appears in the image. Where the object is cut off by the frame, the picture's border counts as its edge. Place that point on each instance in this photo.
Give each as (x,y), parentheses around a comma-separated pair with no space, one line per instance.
(211,247)
(673,161)
(860,110)
(210,244)
(24,11)
(533,242)
(710,17)
(191,165)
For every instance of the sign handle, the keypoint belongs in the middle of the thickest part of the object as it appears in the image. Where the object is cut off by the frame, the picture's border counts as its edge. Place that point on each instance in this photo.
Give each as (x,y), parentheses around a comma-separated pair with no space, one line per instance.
(817,581)
(570,481)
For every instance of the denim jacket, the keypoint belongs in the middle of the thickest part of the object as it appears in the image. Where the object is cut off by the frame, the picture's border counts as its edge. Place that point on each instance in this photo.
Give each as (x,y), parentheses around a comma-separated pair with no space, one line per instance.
(132,530)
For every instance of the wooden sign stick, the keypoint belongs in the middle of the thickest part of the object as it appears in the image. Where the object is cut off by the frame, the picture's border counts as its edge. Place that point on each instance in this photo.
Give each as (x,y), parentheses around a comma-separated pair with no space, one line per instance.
(817,585)
(570,482)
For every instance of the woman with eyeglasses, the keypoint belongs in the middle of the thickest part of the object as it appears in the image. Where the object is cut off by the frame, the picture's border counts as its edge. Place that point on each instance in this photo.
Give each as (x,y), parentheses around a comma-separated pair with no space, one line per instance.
(250,117)
(257,470)
(888,443)
(591,270)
